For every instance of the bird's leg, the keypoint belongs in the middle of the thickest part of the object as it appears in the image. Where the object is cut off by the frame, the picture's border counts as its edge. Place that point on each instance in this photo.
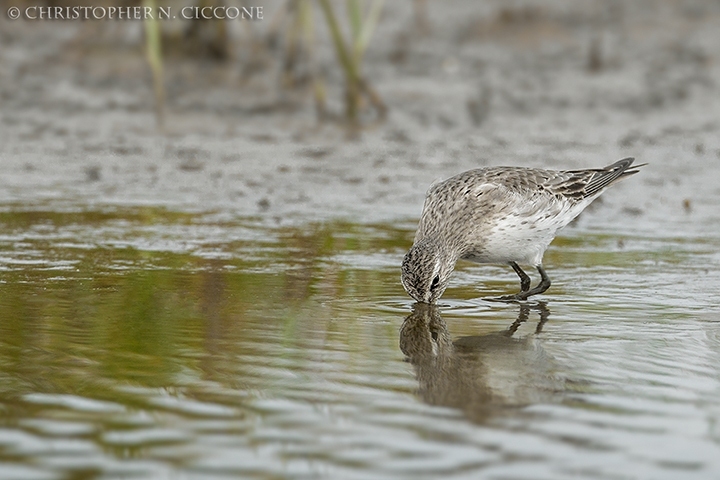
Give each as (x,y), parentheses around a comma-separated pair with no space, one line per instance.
(540,288)
(526,291)
(524,279)
(524,284)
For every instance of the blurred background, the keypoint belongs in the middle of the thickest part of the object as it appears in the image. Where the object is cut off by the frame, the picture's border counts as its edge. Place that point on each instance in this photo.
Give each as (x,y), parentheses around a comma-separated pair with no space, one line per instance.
(359,104)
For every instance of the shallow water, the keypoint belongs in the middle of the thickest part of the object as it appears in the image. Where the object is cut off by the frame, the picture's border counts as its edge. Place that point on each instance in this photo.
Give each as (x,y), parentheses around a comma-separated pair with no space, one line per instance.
(186,305)
(145,343)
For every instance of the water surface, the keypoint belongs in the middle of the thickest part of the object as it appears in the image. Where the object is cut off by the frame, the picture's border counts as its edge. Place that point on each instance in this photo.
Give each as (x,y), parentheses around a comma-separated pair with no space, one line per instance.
(145,343)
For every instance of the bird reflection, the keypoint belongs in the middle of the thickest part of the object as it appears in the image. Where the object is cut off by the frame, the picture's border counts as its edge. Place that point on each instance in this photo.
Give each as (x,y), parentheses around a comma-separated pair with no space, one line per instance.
(481,375)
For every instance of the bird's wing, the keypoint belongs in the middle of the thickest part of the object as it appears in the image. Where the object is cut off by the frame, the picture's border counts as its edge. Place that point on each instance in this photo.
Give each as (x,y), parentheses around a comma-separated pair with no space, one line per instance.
(580,184)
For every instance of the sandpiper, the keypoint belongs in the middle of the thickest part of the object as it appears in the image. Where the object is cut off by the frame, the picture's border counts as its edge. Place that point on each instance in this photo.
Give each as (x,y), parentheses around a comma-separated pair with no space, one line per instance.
(504,215)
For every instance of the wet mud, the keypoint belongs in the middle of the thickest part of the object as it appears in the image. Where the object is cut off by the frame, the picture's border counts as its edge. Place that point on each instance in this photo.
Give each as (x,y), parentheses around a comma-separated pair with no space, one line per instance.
(555,85)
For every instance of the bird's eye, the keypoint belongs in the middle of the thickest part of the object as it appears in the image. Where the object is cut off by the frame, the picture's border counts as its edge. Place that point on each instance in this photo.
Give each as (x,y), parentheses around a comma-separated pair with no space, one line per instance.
(435,282)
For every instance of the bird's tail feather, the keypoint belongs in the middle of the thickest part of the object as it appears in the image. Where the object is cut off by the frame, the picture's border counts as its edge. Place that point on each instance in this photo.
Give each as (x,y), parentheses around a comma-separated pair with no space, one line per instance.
(605,177)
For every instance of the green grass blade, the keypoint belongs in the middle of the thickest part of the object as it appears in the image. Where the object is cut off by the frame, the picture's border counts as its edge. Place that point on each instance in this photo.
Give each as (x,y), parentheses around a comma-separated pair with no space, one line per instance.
(343,55)
(356,21)
(154,57)
(368,28)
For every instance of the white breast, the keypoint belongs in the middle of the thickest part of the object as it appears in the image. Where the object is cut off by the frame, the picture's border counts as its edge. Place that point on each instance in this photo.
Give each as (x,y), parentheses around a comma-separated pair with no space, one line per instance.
(523,236)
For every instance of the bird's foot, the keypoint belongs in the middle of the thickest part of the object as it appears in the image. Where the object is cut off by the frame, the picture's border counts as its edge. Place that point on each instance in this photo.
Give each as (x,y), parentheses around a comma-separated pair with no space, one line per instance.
(518,297)
(506,298)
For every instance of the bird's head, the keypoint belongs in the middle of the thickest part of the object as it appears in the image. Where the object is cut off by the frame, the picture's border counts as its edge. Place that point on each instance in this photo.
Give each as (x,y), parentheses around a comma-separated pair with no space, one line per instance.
(426,271)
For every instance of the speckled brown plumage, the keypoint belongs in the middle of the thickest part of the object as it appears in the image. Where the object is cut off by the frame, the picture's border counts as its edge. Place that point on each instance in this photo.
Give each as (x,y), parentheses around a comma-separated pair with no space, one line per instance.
(498,215)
